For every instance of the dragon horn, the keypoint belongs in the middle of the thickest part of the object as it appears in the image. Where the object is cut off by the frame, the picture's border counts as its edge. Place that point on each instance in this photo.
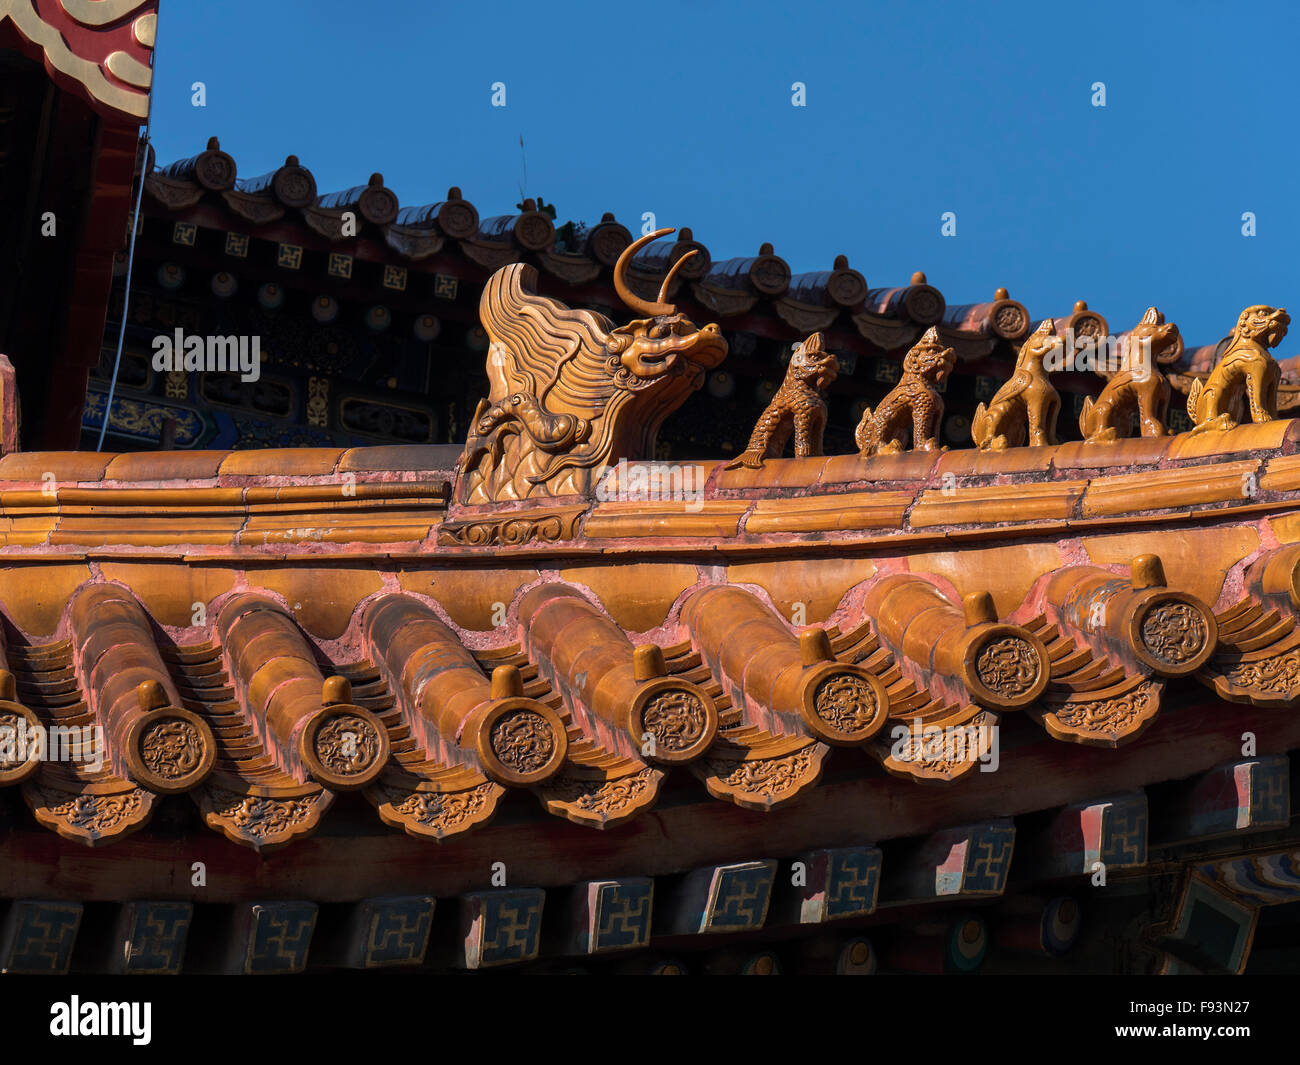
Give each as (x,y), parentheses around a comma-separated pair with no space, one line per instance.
(663,289)
(635,302)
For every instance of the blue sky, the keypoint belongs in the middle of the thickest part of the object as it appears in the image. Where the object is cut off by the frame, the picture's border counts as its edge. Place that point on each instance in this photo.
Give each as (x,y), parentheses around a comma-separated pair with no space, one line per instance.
(913,109)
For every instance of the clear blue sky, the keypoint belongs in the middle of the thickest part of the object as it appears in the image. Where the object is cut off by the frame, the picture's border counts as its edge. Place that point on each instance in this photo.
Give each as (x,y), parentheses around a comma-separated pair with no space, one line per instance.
(913,109)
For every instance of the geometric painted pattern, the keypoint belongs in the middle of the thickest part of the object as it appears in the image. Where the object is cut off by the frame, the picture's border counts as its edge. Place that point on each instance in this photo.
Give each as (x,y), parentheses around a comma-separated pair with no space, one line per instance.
(396,930)
(1212,929)
(1112,831)
(621,913)
(1265,879)
(839,882)
(279,936)
(1270,791)
(988,858)
(1124,837)
(971,860)
(739,897)
(500,927)
(852,878)
(37,936)
(154,940)
(1246,796)
(721,898)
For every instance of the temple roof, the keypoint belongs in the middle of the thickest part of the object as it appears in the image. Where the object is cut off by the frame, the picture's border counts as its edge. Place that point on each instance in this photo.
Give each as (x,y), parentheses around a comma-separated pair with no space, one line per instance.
(284,205)
(266,629)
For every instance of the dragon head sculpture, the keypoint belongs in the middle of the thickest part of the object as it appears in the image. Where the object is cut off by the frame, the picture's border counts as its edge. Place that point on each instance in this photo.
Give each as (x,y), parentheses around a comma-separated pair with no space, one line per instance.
(570,392)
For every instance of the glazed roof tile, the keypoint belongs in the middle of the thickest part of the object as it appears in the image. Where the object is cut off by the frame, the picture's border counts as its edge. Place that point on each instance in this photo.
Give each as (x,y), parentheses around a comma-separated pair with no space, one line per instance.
(306,634)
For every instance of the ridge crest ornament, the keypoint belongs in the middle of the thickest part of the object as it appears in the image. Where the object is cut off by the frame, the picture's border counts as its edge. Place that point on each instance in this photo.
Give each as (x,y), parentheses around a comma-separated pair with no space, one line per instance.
(1246,375)
(914,403)
(570,392)
(798,407)
(1024,409)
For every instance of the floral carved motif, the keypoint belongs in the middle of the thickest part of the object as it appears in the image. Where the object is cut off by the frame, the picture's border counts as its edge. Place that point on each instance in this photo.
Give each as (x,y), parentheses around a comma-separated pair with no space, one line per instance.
(771,776)
(604,797)
(1114,715)
(1280,674)
(446,811)
(946,751)
(90,814)
(511,529)
(11,726)
(259,817)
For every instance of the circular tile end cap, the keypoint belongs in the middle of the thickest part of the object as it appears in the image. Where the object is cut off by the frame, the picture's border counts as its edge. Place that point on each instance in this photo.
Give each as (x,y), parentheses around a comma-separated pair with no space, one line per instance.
(842,705)
(170,750)
(343,746)
(520,741)
(1004,667)
(678,716)
(1171,632)
(19,756)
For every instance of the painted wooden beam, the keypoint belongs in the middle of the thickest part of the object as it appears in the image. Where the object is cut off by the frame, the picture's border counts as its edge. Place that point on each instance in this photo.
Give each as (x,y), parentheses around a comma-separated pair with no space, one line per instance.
(969,861)
(150,937)
(1112,831)
(609,915)
(37,936)
(721,898)
(1246,796)
(1262,879)
(958,947)
(856,957)
(269,937)
(1048,930)
(344,867)
(1211,928)
(833,883)
(380,932)
(500,927)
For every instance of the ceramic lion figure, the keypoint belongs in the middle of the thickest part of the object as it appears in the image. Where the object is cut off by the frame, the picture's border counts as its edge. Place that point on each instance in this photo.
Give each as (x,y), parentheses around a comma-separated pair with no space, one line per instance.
(914,403)
(797,407)
(1246,370)
(1137,386)
(1027,405)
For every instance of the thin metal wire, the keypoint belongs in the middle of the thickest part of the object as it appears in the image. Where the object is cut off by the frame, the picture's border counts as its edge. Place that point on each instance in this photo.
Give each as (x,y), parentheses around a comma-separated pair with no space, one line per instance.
(130,267)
